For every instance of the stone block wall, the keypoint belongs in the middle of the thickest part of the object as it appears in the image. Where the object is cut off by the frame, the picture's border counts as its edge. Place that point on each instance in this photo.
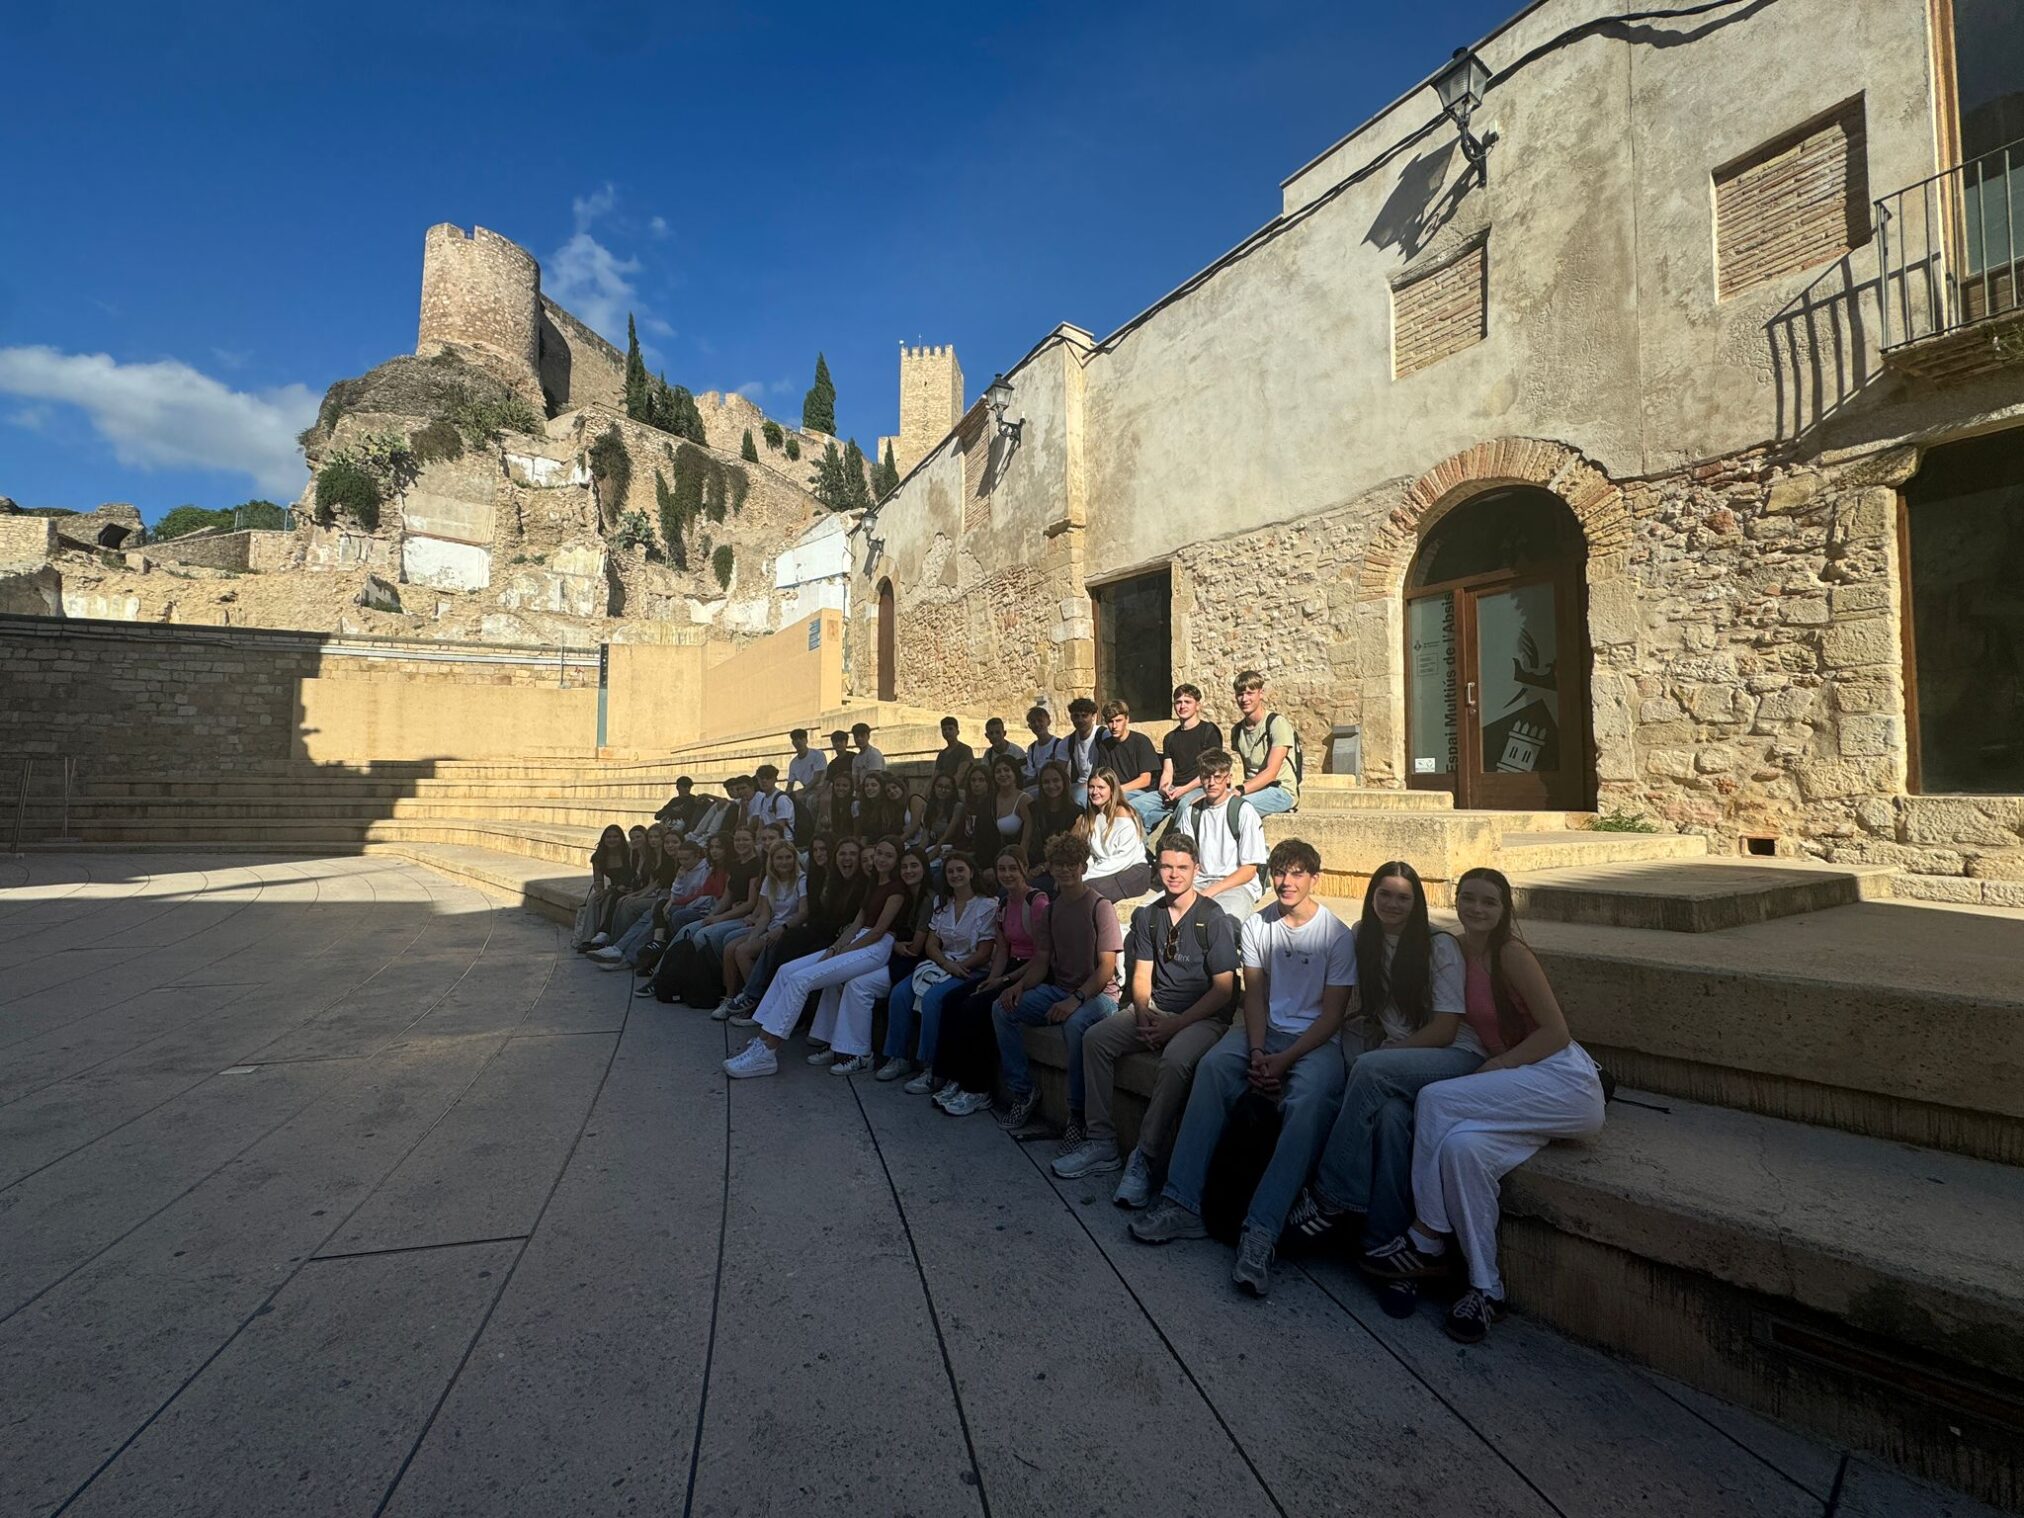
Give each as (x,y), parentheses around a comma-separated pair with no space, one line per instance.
(147,698)
(250,550)
(577,365)
(26,540)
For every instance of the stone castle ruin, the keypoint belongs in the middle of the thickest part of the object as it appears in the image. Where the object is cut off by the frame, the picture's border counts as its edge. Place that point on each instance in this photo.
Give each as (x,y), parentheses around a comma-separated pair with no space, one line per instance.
(488,486)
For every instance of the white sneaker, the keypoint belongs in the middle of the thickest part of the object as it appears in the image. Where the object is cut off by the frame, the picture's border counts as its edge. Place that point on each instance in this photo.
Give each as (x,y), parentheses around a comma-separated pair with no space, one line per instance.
(949,1092)
(851,1064)
(600,941)
(921,1085)
(1136,1189)
(963,1103)
(1093,1156)
(820,1057)
(745,1019)
(894,1068)
(754,1059)
(722,1011)
(607,955)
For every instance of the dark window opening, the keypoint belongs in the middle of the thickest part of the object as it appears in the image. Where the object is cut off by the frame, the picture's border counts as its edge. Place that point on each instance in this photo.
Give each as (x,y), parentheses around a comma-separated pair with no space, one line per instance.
(1517,531)
(1134,643)
(1964,551)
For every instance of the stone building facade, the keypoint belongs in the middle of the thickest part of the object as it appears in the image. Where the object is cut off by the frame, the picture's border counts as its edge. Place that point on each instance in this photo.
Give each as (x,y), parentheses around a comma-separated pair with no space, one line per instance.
(1630,471)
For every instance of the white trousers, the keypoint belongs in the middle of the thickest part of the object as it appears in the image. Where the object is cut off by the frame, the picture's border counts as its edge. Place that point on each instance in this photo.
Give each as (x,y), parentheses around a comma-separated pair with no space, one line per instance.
(1472,1131)
(780,1008)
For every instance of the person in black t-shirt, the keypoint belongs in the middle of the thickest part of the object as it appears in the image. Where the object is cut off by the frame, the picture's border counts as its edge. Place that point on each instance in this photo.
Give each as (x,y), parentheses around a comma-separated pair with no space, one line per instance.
(954,753)
(1130,754)
(1180,752)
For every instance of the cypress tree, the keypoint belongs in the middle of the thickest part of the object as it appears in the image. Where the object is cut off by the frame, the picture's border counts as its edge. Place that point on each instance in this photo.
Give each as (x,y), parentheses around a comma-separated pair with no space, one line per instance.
(828,484)
(856,492)
(748,450)
(638,400)
(886,479)
(818,407)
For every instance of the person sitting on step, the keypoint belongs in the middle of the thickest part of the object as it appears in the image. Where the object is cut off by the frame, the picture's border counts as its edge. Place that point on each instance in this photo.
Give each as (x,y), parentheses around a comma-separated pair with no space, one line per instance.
(612,875)
(1267,746)
(1537,1085)
(965,1065)
(836,892)
(1182,958)
(688,873)
(1071,983)
(1117,842)
(962,933)
(1299,970)
(1411,997)
(1229,837)
(865,943)
(845,1023)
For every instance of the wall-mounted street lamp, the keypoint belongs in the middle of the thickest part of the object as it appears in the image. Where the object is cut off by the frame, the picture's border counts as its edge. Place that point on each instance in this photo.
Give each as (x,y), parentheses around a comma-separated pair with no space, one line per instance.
(998,395)
(1460,86)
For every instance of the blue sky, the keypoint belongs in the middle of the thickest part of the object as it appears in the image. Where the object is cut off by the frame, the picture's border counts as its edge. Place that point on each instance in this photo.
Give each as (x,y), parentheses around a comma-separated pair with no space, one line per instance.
(216,210)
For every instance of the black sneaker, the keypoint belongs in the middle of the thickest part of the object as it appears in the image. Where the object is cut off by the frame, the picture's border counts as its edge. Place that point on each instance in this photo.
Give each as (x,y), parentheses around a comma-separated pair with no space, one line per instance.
(1470,1318)
(1398,1299)
(1399,1261)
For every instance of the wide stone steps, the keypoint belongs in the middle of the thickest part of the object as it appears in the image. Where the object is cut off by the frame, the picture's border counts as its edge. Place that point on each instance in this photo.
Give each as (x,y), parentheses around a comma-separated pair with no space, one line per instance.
(1693,895)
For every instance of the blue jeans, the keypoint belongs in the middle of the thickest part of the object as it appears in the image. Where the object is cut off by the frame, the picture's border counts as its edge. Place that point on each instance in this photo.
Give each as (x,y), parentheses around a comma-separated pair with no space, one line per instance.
(712,939)
(1031,1011)
(1151,807)
(1273,798)
(681,917)
(1367,1163)
(903,1008)
(1307,1103)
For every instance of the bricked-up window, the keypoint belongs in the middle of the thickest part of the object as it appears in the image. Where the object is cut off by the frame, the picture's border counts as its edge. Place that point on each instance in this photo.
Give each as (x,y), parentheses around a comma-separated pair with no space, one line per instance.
(1439,312)
(1797,201)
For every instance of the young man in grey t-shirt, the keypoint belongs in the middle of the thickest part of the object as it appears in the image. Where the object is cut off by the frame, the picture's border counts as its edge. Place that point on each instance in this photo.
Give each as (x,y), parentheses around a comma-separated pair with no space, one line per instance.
(1182,951)
(1299,968)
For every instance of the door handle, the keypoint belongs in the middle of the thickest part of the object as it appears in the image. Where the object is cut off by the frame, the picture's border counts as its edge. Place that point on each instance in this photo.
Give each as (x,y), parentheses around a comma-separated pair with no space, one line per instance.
(1471,696)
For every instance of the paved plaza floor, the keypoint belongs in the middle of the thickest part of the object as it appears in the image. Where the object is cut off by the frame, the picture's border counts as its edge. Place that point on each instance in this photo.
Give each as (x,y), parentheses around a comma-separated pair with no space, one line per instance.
(329,1187)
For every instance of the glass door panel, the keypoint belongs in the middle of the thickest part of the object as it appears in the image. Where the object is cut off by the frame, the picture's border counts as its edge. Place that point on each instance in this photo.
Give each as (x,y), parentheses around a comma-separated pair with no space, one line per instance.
(1518,654)
(1433,681)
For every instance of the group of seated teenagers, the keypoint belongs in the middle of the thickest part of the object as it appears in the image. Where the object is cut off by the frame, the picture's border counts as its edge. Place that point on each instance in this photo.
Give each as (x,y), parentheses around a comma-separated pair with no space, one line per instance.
(1409,1069)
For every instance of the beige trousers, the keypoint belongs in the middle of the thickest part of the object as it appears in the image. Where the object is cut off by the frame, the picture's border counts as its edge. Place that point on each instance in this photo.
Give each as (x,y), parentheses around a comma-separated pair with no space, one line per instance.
(1116,1036)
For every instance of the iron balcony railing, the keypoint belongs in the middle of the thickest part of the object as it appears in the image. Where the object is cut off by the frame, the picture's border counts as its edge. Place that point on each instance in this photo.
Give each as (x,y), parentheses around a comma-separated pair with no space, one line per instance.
(1950,249)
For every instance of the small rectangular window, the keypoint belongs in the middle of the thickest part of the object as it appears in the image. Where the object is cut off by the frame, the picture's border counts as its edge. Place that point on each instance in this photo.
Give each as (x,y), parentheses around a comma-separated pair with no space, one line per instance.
(1134,643)
(1440,312)
(1798,201)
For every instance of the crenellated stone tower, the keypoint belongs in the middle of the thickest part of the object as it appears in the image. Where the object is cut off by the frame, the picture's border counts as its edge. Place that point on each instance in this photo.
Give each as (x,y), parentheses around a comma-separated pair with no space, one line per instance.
(931,402)
(481,295)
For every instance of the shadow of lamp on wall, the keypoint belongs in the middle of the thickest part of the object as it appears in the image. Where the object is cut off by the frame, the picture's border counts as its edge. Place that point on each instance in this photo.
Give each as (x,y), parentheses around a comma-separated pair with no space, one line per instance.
(1460,86)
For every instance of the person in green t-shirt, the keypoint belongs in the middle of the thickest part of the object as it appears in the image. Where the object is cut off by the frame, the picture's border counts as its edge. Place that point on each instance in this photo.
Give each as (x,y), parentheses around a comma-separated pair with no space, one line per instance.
(1265,745)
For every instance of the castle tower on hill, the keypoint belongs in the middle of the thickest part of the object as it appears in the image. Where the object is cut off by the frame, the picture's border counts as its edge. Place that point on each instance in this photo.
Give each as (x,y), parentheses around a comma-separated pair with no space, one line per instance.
(931,402)
(481,295)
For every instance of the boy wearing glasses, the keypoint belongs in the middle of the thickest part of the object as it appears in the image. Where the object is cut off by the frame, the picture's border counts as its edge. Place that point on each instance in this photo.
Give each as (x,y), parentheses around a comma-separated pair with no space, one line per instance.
(1183,957)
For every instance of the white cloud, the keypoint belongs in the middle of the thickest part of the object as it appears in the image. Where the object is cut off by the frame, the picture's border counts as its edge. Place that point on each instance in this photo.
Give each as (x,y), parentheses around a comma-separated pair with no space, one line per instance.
(587,278)
(753,391)
(34,418)
(658,327)
(587,209)
(658,226)
(167,415)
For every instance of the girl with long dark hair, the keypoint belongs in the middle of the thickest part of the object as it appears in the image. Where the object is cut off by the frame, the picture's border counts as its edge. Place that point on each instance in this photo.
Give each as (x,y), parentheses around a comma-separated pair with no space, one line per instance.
(866,943)
(970,828)
(966,1061)
(850,1039)
(1536,1085)
(612,874)
(1410,991)
(1053,811)
(961,933)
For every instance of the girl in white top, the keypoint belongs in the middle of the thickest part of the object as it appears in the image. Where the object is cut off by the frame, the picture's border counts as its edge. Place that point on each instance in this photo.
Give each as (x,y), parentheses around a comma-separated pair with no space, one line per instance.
(960,935)
(1009,804)
(782,904)
(1117,842)
(1472,1131)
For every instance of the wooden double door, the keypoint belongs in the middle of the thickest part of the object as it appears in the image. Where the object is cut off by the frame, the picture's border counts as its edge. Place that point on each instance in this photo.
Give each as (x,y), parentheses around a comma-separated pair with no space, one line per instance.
(1497,678)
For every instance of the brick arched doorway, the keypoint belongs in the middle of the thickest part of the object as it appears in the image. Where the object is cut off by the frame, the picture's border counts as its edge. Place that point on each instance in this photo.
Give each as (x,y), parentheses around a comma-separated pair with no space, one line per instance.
(1496,655)
(888,656)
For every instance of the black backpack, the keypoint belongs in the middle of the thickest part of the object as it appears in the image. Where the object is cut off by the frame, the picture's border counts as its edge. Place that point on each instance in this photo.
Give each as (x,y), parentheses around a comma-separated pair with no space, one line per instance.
(1239,1164)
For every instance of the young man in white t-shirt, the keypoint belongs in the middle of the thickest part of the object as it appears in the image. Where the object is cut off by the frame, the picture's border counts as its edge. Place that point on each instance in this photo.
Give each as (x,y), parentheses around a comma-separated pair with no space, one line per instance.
(768,805)
(1299,969)
(1228,860)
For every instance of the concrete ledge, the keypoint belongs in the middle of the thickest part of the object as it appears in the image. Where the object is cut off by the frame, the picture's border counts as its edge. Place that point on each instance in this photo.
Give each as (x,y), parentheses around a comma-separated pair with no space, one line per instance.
(1863,1288)
(1692,896)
